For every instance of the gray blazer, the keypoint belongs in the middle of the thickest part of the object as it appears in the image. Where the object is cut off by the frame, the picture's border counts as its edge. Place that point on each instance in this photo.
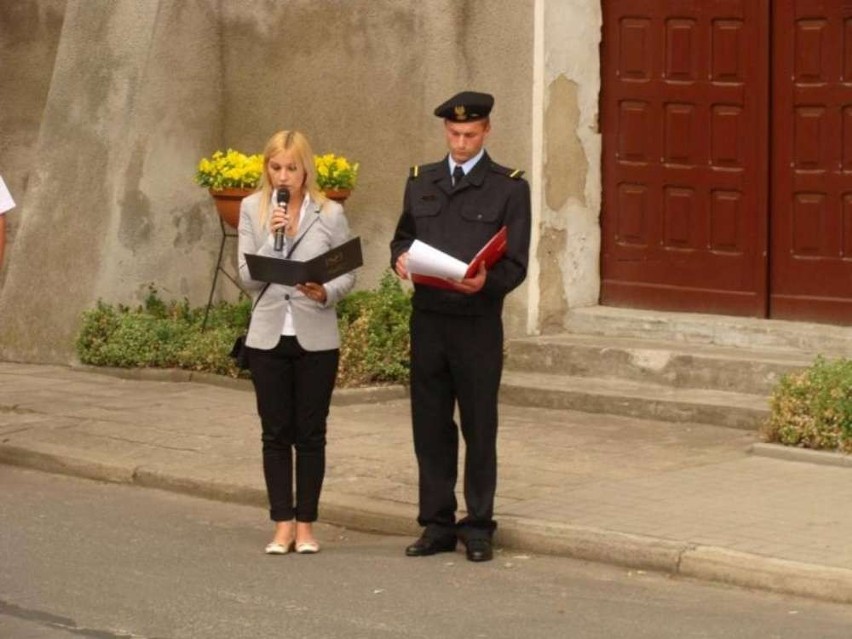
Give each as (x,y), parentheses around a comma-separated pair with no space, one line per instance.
(322,228)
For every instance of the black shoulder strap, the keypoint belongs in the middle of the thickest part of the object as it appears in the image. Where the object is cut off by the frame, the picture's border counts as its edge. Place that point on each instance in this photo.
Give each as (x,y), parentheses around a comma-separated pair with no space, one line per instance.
(263,290)
(296,243)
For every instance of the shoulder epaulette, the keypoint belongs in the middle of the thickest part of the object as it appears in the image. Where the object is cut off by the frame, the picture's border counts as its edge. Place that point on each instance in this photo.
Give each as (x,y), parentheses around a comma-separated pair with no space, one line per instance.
(510,173)
(419,169)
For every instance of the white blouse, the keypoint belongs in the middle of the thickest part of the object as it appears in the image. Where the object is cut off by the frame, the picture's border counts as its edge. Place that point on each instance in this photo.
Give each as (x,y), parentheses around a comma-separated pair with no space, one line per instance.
(288,328)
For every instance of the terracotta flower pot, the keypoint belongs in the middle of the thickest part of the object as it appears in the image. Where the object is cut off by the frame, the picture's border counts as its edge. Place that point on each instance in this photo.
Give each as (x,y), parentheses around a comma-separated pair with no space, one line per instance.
(338,195)
(228,204)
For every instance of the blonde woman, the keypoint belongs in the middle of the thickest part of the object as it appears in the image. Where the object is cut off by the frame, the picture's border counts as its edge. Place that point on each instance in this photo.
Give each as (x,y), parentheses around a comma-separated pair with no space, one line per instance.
(293,342)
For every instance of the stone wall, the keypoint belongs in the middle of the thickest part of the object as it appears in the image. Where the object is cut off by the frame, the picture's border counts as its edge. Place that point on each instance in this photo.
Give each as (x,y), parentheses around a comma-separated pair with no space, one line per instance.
(118,99)
(29,37)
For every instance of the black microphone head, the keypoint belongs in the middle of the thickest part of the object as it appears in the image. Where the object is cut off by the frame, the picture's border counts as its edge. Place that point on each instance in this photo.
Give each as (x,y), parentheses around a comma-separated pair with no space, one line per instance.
(283,196)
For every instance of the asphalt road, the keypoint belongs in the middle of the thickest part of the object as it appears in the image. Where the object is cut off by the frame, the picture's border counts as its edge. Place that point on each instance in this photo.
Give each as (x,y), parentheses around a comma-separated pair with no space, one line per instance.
(87,559)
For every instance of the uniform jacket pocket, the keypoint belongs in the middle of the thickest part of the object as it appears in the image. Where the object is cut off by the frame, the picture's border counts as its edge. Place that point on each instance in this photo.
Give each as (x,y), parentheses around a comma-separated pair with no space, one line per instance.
(426,208)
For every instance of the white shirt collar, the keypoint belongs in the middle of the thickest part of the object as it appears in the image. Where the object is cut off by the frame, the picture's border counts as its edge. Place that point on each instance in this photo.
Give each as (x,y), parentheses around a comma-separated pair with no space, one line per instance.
(467,166)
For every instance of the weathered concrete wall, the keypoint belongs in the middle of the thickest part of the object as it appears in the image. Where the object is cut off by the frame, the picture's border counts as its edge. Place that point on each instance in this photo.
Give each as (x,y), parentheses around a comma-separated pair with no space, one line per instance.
(361,77)
(141,90)
(106,208)
(568,233)
(29,37)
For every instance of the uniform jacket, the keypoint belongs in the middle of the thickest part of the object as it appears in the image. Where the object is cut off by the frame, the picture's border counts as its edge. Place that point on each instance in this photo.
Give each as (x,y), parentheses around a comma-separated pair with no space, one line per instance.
(321,228)
(459,221)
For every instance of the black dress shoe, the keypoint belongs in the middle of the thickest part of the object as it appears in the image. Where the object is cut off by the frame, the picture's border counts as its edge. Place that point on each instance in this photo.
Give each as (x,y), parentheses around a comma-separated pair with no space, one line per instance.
(479,550)
(429,546)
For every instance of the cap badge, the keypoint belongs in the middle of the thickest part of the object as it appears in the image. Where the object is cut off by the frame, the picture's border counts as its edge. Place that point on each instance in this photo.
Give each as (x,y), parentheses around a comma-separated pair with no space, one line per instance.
(460,112)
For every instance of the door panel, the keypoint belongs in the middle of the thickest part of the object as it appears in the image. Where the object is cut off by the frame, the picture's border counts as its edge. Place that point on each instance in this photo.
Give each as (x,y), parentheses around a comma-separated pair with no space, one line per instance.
(685,135)
(811,217)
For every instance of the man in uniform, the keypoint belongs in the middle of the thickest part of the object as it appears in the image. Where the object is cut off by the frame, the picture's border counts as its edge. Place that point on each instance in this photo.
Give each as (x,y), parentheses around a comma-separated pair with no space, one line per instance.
(457,205)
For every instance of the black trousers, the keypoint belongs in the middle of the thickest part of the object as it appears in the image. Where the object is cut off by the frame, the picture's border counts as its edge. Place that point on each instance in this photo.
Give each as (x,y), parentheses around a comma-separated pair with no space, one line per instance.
(293,389)
(456,358)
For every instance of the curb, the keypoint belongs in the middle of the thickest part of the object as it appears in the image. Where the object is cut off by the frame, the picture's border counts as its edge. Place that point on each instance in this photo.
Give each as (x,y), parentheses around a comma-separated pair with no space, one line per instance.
(591,544)
(768,573)
(707,563)
(205,488)
(340,397)
(809,455)
(64,465)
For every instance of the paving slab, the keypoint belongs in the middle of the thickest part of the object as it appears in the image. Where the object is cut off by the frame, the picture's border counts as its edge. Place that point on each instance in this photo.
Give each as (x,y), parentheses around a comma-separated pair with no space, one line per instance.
(684,498)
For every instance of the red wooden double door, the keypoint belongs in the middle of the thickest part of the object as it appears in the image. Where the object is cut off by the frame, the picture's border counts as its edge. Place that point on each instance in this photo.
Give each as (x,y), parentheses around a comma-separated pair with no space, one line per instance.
(727,157)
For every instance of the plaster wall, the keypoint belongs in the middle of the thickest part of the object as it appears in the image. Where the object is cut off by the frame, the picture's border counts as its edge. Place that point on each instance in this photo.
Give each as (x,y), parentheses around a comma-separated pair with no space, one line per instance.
(363,78)
(29,37)
(106,209)
(137,92)
(567,239)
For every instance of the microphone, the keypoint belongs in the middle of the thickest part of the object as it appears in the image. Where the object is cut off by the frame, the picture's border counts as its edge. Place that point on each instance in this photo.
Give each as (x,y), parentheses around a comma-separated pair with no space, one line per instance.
(283,196)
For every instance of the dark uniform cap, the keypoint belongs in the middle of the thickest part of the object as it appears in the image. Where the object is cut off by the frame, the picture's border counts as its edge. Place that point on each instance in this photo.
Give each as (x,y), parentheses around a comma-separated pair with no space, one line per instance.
(466,106)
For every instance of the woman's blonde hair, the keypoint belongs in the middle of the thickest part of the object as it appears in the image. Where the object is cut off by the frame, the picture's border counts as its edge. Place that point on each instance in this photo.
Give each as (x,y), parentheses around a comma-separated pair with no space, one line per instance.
(296,143)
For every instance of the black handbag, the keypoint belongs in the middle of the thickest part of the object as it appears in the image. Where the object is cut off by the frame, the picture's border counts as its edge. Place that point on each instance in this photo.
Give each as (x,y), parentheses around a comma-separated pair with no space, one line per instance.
(239,351)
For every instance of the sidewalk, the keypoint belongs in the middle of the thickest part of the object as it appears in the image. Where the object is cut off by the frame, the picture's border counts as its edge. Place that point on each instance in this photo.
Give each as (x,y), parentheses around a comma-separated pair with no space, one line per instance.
(686,499)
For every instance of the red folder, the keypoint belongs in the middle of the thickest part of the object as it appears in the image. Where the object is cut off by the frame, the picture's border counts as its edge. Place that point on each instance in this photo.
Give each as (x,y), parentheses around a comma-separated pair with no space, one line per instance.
(493,250)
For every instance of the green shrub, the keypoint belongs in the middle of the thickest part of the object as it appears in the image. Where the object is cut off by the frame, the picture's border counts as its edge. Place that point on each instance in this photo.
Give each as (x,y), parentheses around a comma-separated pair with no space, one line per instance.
(813,408)
(159,334)
(162,335)
(374,335)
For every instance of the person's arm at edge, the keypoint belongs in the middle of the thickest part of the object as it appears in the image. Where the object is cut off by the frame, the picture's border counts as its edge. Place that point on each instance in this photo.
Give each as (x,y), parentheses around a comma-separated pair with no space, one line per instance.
(2,237)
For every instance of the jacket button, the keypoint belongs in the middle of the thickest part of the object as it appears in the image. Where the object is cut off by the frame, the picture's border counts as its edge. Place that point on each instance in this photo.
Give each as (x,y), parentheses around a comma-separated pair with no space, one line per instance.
(287,297)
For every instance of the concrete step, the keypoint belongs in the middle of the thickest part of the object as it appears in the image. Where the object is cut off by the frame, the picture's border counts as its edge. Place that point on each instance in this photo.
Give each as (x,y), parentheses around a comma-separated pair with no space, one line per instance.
(680,367)
(634,399)
(666,363)
(720,330)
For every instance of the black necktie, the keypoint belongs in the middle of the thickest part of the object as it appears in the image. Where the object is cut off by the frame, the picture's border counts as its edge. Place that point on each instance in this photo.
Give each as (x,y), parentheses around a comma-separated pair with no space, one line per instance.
(458,174)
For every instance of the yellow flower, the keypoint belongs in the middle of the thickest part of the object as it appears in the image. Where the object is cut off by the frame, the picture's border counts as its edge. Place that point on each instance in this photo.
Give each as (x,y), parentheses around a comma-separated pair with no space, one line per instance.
(230,169)
(233,169)
(335,172)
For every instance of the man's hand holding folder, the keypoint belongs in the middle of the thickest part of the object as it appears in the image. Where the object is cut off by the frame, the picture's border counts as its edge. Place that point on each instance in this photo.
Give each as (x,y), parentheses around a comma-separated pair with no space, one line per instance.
(432,267)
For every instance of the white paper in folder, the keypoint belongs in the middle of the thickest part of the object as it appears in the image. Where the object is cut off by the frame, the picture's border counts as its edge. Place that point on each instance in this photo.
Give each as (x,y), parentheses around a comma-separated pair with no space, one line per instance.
(427,260)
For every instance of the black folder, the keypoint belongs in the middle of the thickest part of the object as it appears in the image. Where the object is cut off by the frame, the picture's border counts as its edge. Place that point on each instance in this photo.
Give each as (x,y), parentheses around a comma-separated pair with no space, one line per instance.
(320,269)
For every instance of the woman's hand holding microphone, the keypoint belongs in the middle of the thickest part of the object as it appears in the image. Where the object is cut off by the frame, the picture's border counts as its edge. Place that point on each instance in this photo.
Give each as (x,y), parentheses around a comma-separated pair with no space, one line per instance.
(282,219)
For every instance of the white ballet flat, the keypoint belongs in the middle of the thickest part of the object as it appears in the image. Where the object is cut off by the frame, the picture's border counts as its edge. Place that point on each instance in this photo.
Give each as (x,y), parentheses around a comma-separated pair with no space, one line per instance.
(275,548)
(307,548)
